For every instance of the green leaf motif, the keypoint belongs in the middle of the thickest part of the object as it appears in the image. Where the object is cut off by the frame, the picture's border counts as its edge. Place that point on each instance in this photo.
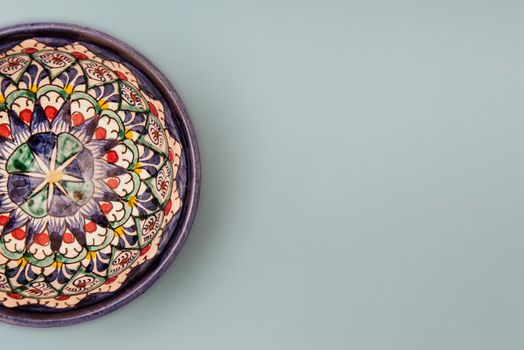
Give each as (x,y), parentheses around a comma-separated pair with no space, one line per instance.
(22,160)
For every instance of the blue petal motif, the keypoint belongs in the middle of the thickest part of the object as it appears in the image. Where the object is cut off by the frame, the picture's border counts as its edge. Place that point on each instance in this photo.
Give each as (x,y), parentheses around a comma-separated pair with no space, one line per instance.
(42,145)
(21,187)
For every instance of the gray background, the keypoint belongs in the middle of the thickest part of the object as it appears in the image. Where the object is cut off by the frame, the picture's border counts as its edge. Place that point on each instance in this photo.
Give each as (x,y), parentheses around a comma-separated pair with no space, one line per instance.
(363,175)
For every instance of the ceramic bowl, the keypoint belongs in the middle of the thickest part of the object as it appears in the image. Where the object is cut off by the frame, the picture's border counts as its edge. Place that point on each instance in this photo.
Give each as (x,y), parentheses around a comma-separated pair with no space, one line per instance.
(99,174)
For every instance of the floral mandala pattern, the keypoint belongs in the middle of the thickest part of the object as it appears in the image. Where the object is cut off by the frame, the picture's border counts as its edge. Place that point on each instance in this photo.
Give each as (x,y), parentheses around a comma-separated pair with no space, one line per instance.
(88,174)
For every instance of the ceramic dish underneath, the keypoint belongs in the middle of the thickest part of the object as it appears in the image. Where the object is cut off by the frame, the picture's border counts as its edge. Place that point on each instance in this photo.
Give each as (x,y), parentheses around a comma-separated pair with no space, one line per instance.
(99,174)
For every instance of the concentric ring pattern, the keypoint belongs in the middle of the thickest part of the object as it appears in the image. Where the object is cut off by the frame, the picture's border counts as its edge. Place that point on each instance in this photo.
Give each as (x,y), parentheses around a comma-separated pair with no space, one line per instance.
(88,174)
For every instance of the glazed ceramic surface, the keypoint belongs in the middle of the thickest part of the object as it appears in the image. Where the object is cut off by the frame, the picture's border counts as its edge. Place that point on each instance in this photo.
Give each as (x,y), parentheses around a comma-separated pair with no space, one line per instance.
(92,172)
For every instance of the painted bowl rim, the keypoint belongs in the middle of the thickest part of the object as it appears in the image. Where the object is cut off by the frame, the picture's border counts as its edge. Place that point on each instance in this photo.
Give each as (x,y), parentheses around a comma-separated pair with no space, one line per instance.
(165,258)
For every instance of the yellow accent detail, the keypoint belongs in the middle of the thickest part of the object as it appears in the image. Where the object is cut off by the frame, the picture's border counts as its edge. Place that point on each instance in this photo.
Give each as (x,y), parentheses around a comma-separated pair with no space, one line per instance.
(91,255)
(103,104)
(2,98)
(33,88)
(22,262)
(137,167)
(128,134)
(53,176)
(69,89)
(119,231)
(57,264)
(132,201)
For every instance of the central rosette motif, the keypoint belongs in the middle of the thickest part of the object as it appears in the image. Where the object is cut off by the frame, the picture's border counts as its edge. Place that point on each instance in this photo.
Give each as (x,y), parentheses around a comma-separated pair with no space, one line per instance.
(50,174)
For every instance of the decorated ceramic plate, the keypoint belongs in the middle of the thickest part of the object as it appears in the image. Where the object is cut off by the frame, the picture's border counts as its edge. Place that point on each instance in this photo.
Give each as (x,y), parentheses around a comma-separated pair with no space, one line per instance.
(99,174)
